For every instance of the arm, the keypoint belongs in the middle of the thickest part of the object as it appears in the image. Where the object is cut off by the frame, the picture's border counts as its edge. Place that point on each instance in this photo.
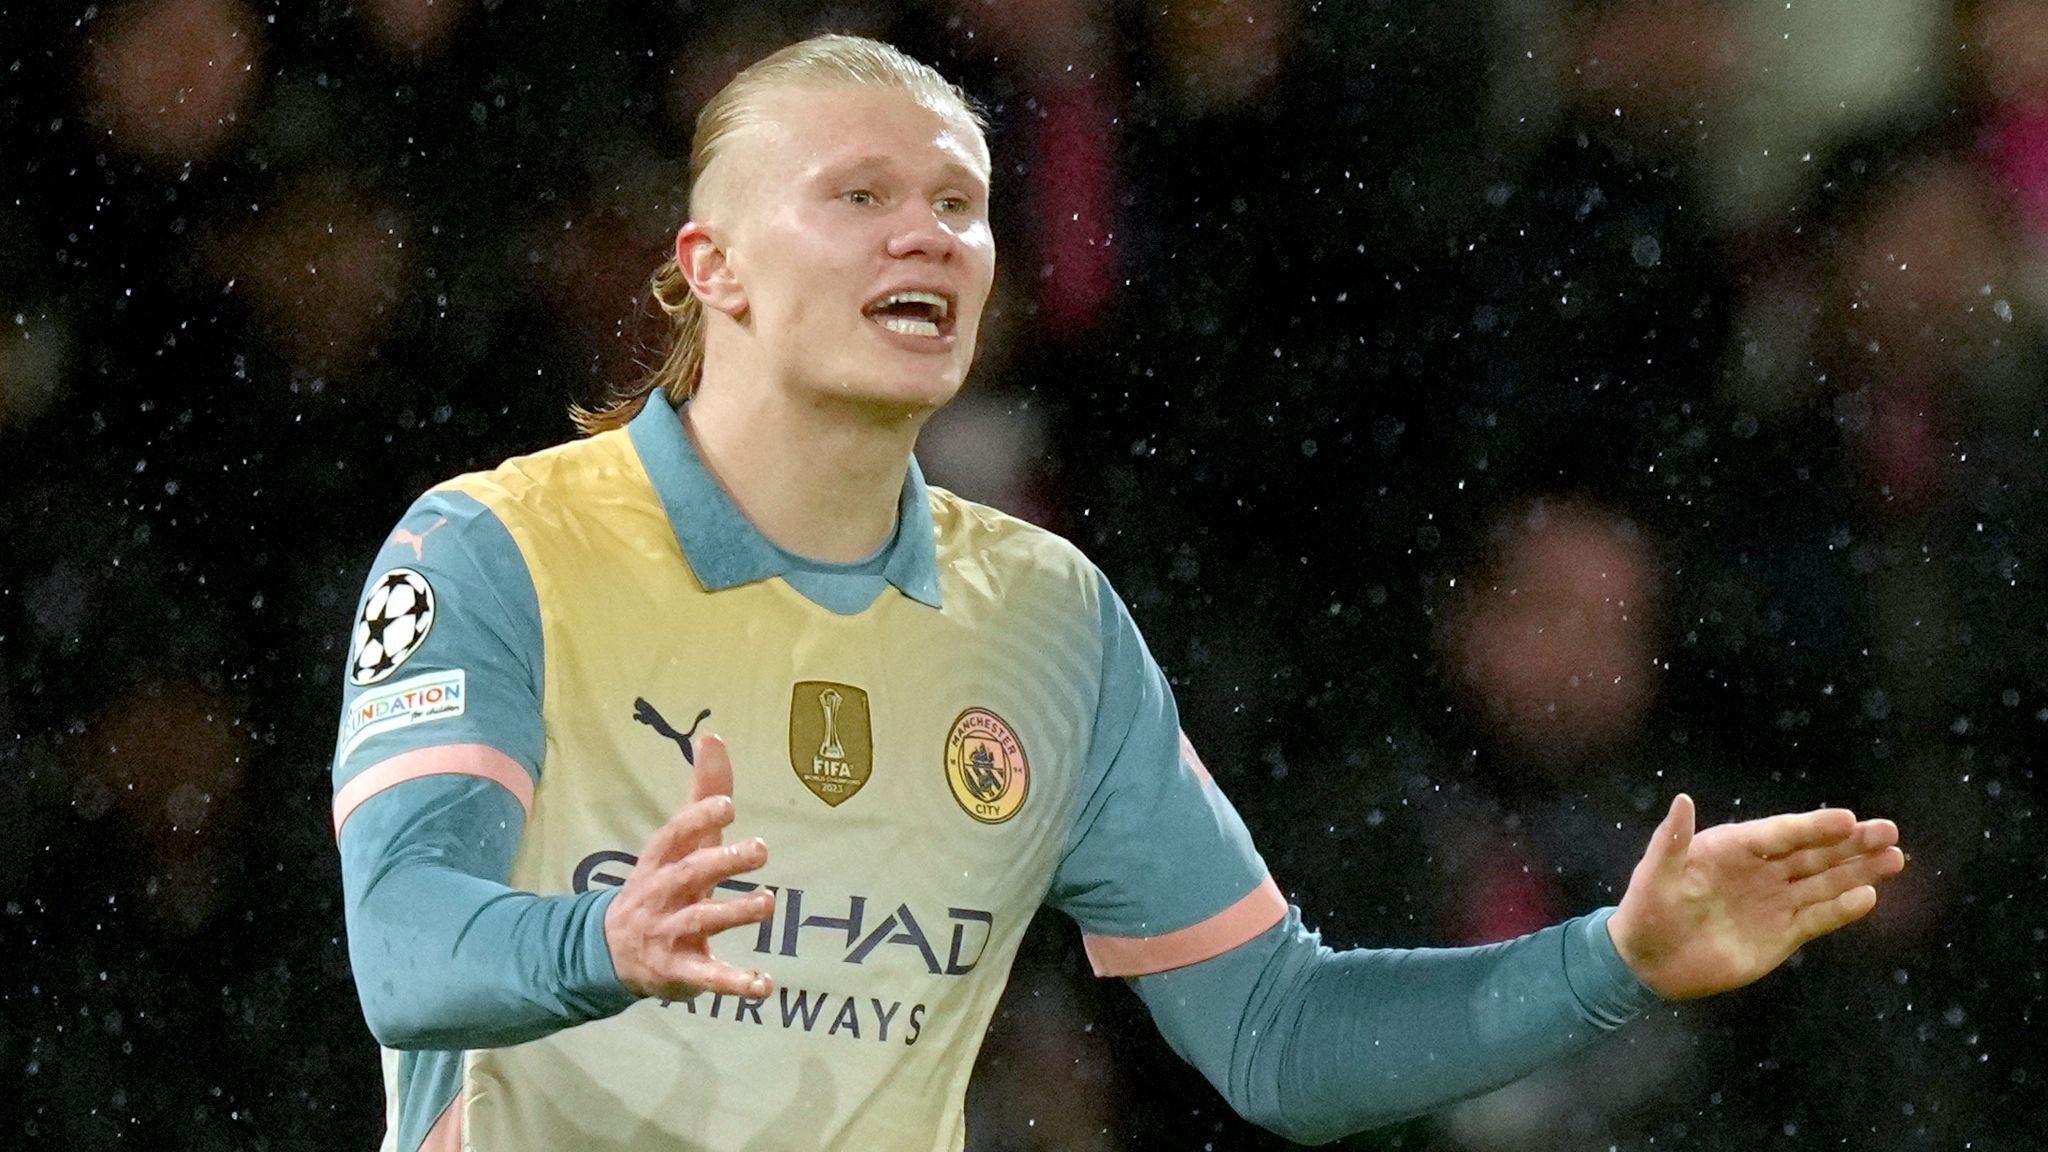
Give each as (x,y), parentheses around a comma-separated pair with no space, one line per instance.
(446,954)
(434,769)
(437,760)
(1314,1044)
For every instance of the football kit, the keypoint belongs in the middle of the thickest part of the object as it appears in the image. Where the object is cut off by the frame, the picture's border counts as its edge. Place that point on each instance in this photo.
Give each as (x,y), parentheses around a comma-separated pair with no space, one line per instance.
(933,743)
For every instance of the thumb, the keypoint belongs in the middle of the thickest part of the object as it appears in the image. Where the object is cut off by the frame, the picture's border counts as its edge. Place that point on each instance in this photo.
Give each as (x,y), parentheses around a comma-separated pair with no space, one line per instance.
(712,775)
(1668,845)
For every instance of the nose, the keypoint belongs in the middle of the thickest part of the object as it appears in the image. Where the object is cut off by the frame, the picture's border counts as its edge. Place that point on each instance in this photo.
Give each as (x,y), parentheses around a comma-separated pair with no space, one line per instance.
(919,230)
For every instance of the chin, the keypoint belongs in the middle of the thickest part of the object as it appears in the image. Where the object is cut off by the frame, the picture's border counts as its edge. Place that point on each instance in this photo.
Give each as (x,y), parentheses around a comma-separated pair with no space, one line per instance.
(897,396)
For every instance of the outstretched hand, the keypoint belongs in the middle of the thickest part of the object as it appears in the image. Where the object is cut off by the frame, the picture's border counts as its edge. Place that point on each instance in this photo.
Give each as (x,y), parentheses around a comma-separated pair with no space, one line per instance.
(659,927)
(1713,911)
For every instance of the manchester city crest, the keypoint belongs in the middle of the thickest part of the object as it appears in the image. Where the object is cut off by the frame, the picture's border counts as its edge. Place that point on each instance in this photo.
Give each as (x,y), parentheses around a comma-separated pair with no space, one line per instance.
(985,766)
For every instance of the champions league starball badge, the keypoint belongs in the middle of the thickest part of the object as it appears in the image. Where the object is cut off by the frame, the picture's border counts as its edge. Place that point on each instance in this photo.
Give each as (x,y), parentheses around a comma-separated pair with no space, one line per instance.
(392,625)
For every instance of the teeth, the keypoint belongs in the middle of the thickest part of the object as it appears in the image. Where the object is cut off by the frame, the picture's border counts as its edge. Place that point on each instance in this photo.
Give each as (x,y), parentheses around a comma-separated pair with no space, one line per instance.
(932,298)
(908,326)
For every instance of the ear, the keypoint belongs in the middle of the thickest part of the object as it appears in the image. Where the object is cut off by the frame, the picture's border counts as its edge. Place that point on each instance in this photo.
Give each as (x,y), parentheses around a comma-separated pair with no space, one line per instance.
(705,265)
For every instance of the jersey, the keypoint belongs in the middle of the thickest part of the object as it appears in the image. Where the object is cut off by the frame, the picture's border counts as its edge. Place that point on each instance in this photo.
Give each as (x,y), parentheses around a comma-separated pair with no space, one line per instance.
(932,743)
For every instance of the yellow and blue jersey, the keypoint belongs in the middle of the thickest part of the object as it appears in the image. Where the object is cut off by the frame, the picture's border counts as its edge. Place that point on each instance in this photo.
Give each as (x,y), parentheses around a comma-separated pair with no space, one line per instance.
(933,743)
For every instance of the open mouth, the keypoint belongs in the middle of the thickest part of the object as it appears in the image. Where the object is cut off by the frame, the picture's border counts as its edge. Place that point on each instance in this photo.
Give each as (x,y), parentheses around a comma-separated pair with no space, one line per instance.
(913,313)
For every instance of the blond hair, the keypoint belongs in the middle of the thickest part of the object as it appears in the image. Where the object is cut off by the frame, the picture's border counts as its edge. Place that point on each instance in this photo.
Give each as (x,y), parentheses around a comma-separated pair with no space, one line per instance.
(818,62)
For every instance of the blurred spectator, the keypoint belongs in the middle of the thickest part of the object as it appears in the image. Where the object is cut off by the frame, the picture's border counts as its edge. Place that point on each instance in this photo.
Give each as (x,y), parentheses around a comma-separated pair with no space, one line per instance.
(1223,53)
(323,270)
(2004,48)
(167,761)
(1060,57)
(992,450)
(1597,279)
(172,79)
(413,29)
(1557,642)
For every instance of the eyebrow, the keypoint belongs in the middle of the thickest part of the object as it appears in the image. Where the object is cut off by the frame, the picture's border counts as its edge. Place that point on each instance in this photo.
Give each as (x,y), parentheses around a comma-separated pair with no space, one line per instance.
(879,162)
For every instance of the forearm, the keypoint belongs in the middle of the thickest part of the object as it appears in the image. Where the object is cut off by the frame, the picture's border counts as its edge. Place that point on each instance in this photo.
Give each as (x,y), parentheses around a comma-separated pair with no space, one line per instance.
(446,955)
(1316,1044)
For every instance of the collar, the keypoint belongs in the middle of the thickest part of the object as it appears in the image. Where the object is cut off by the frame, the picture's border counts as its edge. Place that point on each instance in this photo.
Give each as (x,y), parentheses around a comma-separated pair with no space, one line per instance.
(725,550)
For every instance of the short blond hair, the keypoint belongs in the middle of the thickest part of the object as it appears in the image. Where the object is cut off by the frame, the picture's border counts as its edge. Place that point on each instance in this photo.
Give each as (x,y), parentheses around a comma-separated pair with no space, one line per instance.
(820,61)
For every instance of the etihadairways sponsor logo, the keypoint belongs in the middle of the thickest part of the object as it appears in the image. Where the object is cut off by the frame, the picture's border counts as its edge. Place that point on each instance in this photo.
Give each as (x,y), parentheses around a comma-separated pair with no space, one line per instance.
(858,936)
(805,923)
(437,696)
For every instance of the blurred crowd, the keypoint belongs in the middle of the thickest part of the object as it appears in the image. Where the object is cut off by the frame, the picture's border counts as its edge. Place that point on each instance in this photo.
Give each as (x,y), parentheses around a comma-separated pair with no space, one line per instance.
(1498,414)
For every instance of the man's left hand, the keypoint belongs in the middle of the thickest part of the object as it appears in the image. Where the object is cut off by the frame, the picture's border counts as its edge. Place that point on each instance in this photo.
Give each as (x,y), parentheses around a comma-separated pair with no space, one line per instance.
(1713,911)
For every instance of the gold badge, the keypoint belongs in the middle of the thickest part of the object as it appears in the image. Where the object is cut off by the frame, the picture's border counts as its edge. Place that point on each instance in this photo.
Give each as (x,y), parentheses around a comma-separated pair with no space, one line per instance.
(986,767)
(831,742)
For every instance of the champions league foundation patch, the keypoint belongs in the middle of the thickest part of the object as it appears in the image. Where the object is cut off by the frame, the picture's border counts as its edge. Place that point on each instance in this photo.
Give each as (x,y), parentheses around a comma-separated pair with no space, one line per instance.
(391,627)
(434,696)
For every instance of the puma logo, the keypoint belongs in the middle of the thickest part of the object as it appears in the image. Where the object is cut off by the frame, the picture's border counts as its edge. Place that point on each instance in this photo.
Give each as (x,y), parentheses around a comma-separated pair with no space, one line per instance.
(645,713)
(419,540)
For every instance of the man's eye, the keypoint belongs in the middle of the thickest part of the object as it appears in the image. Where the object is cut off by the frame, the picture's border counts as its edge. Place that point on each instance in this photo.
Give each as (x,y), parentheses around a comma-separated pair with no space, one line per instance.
(859,196)
(954,204)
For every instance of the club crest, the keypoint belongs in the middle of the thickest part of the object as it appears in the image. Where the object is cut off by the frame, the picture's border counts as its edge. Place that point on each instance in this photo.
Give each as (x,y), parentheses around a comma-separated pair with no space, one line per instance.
(985,766)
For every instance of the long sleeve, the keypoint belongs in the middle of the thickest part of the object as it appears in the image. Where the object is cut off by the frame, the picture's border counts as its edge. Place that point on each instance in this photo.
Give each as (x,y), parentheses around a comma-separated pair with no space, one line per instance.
(1316,1044)
(439,752)
(446,955)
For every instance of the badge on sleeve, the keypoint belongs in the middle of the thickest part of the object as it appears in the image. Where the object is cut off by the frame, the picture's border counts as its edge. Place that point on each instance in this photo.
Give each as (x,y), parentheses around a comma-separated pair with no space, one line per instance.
(392,625)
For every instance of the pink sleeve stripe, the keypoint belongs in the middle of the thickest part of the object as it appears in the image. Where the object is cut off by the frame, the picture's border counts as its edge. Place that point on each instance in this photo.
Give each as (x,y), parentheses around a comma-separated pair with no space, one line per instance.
(1194,762)
(440,760)
(1262,908)
(446,1134)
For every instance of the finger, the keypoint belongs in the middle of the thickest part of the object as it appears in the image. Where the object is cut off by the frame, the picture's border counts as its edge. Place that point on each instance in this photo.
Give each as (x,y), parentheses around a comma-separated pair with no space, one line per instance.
(1775,837)
(712,774)
(707,918)
(696,974)
(1828,915)
(1867,837)
(695,826)
(696,874)
(1668,844)
(1859,872)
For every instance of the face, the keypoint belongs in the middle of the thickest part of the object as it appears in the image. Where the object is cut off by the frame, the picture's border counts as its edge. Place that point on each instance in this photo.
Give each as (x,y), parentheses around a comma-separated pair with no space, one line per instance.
(854,228)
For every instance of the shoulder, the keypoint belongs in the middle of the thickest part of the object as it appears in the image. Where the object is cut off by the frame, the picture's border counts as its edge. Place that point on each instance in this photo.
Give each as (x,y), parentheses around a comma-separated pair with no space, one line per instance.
(977,537)
(543,484)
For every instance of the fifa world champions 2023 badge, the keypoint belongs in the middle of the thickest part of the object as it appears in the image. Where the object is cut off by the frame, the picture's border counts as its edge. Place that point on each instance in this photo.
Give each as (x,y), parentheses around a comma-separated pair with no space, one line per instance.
(831,739)
(986,766)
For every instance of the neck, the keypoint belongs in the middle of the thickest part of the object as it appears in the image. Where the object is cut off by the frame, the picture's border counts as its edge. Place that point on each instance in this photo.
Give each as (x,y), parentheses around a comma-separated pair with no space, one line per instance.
(819,478)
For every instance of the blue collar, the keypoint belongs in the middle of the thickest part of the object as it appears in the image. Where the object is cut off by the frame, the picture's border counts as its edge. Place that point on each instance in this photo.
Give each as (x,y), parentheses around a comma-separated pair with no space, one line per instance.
(725,550)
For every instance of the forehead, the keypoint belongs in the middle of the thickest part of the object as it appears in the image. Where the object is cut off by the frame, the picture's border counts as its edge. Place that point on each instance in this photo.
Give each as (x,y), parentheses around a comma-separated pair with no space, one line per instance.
(798,131)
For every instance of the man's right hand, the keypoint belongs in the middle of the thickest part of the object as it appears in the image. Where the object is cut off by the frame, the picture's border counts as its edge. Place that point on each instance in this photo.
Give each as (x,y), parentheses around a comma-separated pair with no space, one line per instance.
(659,927)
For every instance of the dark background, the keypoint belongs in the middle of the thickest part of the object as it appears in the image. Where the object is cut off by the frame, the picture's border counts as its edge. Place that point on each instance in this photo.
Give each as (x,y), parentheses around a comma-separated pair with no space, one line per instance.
(1498,415)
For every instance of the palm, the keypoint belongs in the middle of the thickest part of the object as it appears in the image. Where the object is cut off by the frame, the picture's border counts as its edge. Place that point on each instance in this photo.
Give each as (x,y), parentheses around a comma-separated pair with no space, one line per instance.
(1712,911)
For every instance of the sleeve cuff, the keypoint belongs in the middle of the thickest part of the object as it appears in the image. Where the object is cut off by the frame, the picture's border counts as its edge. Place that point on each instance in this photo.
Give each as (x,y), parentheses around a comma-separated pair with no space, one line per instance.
(594,982)
(1609,994)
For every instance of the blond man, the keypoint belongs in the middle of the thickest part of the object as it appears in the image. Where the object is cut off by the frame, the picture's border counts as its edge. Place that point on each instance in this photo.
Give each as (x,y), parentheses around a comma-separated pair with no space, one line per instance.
(932,719)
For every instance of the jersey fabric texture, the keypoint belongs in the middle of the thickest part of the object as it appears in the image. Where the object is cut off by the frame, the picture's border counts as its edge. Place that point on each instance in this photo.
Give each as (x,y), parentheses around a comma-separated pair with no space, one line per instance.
(933,743)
